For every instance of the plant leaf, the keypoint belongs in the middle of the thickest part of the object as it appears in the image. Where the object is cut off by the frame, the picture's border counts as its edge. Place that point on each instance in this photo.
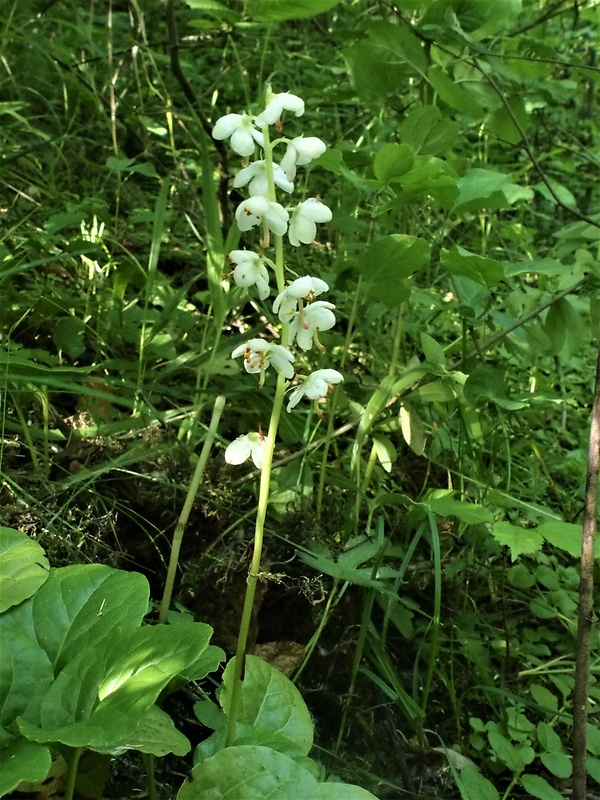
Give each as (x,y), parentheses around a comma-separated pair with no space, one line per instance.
(272,712)
(23,567)
(250,772)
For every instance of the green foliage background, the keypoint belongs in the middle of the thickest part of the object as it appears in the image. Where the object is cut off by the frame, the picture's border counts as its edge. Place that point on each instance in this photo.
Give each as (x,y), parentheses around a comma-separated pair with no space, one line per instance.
(463,254)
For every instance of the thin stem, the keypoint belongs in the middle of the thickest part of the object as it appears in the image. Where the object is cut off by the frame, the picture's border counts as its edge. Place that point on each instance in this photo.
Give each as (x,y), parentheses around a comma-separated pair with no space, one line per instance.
(255,566)
(72,773)
(187,507)
(254,574)
(586,603)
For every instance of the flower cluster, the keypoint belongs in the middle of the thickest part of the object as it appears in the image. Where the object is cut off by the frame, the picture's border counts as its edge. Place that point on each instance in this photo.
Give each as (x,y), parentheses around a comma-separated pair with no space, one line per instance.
(295,304)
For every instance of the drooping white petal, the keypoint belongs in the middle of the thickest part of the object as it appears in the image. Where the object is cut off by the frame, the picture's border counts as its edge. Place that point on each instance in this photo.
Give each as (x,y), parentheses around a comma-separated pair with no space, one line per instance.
(250,271)
(315,386)
(251,212)
(239,450)
(256,175)
(300,152)
(277,104)
(317,316)
(240,130)
(282,360)
(305,215)
(250,444)
(306,288)
(259,354)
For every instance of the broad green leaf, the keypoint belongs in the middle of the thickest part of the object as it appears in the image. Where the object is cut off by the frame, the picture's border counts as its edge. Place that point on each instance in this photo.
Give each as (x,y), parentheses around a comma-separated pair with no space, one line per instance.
(219,11)
(566,536)
(332,160)
(249,772)
(272,712)
(392,160)
(483,270)
(280,10)
(518,540)
(541,266)
(559,764)
(515,757)
(387,262)
(101,696)
(469,513)
(593,768)
(453,93)
(593,739)
(500,122)
(346,566)
(412,430)
(565,328)
(385,59)
(427,132)
(155,734)
(68,336)
(25,676)
(487,383)
(476,786)
(434,352)
(484,189)
(543,696)
(119,164)
(477,18)
(23,567)
(22,761)
(386,452)
(80,606)
(559,191)
(343,791)
(536,786)
(429,176)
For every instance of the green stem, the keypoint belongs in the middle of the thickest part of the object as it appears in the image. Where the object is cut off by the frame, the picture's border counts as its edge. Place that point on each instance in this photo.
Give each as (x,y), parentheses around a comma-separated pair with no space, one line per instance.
(148,760)
(254,574)
(265,484)
(187,507)
(72,773)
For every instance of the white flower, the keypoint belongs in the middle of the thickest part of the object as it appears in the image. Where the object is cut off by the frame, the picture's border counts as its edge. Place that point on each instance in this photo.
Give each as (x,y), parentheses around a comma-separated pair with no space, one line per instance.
(305,288)
(302,225)
(256,175)
(300,152)
(277,104)
(250,444)
(318,384)
(239,129)
(250,270)
(257,210)
(260,354)
(315,317)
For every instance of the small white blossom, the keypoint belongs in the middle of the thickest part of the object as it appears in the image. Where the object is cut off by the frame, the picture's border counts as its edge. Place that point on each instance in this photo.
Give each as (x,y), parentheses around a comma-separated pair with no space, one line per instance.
(240,450)
(305,215)
(284,101)
(306,288)
(260,354)
(259,210)
(314,317)
(250,270)
(256,175)
(240,131)
(317,385)
(300,152)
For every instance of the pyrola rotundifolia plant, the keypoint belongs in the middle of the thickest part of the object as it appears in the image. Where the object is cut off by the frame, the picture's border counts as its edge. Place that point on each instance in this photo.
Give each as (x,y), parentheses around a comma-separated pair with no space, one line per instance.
(270,219)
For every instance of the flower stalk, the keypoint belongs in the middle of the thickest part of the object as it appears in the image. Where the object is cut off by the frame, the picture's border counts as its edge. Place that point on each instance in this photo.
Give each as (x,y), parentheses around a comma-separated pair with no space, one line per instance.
(301,317)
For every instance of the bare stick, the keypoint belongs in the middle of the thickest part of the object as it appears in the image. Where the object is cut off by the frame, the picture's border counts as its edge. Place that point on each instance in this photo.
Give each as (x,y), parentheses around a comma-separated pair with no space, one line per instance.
(586,603)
